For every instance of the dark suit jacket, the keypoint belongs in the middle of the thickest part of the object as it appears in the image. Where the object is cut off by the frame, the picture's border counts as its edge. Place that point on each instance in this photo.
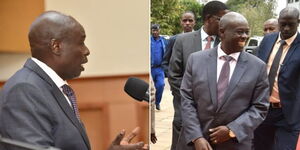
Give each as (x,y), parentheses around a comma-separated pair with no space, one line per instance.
(244,107)
(167,55)
(33,110)
(185,44)
(288,78)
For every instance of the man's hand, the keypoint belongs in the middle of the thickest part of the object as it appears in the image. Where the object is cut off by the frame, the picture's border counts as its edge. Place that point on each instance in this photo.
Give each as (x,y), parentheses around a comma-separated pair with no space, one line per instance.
(202,144)
(123,143)
(219,134)
(153,138)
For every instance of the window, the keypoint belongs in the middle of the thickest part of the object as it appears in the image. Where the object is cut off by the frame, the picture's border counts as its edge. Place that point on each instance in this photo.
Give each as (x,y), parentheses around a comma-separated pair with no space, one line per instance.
(253,42)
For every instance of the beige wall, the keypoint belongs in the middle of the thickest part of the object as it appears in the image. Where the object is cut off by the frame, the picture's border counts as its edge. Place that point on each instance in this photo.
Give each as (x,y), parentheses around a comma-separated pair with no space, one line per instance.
(117,36)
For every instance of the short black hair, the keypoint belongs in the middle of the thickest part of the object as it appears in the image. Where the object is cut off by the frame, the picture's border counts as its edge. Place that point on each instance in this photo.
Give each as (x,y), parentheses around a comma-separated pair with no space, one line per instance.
(188,12)
(213,8)
(155,26)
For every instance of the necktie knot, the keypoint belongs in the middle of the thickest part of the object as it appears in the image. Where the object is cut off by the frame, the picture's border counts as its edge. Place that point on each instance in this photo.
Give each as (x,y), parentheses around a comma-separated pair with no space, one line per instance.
(72,98)
(209,38)
(282,42)
(227,58)
(67,90)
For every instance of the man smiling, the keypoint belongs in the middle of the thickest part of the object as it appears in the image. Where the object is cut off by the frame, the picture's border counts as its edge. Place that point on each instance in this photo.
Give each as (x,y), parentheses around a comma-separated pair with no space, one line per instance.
(224,92)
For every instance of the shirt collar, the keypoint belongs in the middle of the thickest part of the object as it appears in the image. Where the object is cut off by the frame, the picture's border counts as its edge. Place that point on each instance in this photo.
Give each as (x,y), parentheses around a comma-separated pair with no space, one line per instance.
(51,73)
(187,32)
(222,53)
(204,35)
(288,41)
(159,38)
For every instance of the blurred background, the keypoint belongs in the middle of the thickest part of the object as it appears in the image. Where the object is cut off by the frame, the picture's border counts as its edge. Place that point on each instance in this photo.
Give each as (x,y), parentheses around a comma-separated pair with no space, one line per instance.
(118,40)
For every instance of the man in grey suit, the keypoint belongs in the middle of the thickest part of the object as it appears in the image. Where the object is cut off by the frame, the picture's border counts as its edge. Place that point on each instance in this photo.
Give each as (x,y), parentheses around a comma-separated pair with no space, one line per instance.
(224,92)
(185,44)
(36,104)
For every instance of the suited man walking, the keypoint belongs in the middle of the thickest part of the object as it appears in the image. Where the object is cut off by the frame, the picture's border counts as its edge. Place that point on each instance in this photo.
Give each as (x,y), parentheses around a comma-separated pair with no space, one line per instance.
(37,105)
(187,22)
(281,52)
(185,44)
(224,92)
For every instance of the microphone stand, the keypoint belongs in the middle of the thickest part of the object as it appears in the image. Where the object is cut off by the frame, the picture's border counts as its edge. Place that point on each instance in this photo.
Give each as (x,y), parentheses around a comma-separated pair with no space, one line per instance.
(25,145)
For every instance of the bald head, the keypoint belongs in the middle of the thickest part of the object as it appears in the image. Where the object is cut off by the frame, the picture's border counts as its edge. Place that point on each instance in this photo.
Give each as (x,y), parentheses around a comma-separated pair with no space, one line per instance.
(232,18)
(271,21)
(234,32)
(48,26)
(271,25)
(289,11)
(58,41)
(288,22)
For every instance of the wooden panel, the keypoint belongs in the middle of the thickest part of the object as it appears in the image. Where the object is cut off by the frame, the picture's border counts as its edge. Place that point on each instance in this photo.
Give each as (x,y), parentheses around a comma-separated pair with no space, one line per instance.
(95,116)
(16,16)
(123,112)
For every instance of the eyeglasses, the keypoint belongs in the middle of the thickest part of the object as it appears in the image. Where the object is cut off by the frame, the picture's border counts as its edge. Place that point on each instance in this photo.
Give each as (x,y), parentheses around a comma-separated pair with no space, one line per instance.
(217,17)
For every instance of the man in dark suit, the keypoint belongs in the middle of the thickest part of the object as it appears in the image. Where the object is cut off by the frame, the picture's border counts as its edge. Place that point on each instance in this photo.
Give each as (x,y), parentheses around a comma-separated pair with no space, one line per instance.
(187,43)
(281,52)
(224,92)
(187,22)
(36,104)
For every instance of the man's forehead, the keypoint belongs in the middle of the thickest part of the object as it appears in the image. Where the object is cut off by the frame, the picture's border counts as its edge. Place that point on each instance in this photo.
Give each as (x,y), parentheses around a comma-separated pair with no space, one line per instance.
(187,15)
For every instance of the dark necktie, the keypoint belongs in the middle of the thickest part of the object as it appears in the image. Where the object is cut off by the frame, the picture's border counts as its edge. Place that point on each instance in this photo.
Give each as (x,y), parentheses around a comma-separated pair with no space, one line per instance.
(72,98)
(275,65)
(223,80)
(209,39)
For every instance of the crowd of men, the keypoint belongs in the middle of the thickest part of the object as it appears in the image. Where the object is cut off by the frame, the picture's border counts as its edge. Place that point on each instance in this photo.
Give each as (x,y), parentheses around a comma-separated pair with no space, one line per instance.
(225,98)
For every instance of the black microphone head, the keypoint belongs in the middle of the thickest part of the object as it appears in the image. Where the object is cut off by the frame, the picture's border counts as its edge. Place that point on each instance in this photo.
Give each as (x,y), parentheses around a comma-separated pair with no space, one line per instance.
(136,88)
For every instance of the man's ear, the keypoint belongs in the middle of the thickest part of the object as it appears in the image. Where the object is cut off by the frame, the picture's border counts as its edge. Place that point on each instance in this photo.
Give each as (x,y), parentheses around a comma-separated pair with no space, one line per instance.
(221,32)
(207,17)
(55,46)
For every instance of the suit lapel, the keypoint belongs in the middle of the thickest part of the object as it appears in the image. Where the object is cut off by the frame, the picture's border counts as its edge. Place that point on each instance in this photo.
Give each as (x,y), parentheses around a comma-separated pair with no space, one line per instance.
(197,40)
(217,41)
(212,74)
(269,48)
(290,52)
(61,100)
(238,72)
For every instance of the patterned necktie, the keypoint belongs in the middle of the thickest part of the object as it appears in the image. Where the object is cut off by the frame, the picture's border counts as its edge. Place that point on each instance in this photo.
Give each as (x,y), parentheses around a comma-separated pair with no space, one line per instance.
(223,78)
(72,98)
(275,65)
(209,39)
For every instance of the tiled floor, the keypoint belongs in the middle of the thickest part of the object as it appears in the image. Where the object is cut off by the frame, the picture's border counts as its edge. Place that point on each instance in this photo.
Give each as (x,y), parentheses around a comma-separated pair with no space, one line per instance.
(163,121)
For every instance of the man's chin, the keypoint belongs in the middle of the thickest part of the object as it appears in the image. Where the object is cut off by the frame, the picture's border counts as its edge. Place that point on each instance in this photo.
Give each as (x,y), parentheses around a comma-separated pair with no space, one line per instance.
(242,44)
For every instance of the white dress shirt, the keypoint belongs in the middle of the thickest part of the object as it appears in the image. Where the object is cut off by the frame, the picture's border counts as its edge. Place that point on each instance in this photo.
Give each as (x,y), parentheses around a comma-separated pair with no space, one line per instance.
(59,82)
(221,61)
(204,36)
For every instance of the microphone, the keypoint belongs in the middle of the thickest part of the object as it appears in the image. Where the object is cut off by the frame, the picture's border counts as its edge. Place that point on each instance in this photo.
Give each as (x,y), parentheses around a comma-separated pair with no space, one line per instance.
(137,89)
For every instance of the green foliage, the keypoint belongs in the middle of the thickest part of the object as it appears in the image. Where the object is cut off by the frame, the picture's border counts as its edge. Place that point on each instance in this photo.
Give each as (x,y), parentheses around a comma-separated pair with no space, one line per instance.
(167,13)
(256,12)
(194,6)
